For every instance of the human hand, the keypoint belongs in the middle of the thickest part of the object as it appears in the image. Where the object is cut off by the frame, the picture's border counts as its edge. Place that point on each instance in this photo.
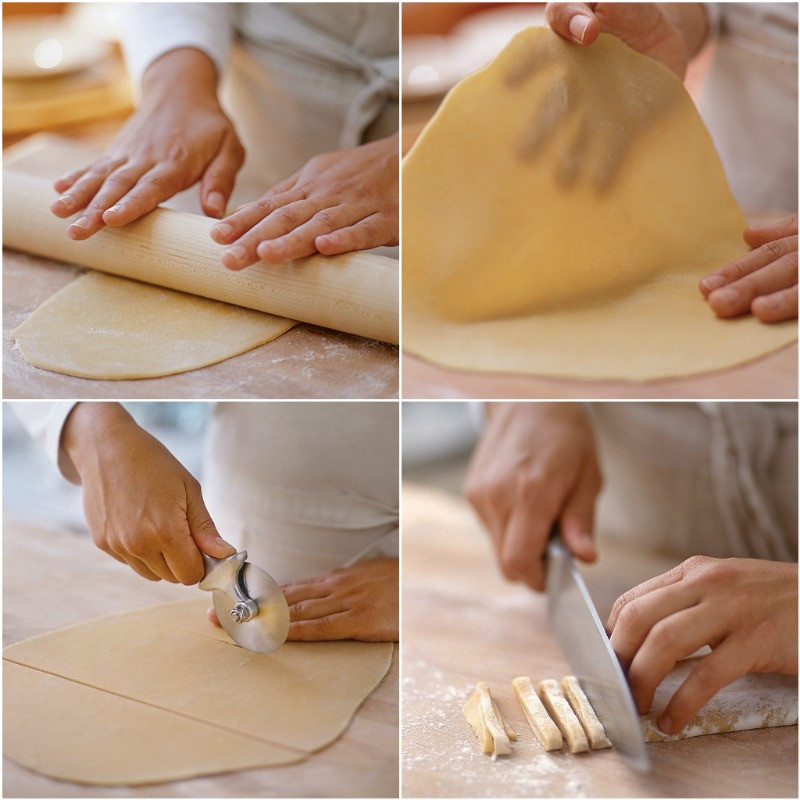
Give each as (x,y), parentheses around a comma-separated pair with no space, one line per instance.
(535,466)
(359,602)
(744,609)
(179,135)
(142,506)
(338,202)
(763,282)
(669,34)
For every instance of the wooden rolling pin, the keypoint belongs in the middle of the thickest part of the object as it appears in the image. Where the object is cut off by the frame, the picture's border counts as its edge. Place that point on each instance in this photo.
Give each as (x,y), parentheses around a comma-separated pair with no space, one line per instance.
(356,292)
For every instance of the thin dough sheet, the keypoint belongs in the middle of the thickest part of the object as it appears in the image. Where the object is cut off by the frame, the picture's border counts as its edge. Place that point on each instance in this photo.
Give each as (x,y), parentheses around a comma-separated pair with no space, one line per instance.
(69,695)
(105,327)
(559,211)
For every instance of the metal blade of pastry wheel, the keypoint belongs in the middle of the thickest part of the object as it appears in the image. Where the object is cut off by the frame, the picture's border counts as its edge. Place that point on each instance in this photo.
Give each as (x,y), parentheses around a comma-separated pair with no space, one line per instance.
(581,635)
(250,605)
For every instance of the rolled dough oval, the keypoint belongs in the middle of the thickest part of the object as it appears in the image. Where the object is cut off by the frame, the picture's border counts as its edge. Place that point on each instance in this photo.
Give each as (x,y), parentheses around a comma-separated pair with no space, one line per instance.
(159,694)
(512,265)
(106,327)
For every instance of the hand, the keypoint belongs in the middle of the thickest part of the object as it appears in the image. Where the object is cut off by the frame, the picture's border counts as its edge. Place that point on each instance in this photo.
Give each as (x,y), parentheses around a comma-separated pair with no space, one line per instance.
(336,203)
(668,32)
(179,135)
(142,506)
(744,609)
(763,282)
(534,466)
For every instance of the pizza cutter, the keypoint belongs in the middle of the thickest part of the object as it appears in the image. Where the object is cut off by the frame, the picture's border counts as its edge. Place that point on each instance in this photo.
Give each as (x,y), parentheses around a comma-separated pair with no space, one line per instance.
(250,605)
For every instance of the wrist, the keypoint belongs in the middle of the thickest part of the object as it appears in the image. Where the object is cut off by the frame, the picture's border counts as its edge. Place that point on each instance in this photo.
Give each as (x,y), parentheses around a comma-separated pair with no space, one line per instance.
(87,428)
(184,73)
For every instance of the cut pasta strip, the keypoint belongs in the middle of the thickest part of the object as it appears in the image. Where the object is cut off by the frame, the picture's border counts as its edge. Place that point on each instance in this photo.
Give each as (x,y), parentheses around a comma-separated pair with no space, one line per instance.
(546,730)
(595,732)
(493,732)
(554,701)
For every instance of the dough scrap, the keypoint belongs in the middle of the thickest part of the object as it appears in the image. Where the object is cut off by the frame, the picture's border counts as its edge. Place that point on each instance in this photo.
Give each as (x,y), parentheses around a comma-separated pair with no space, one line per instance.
(547,732)
(106,328)
(559,709)
(493,732)
(595,732)
(186,700)
(524,253)
(754,701)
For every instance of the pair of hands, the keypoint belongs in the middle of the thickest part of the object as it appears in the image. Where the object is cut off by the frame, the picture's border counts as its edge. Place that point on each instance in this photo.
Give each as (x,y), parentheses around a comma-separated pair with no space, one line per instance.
(338,202)
(146,510)
(763,282)
(535,466)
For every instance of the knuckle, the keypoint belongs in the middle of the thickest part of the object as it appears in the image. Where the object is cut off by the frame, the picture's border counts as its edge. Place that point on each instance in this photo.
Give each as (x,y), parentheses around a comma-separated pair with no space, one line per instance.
(705,676)
(285,215)
(774,249)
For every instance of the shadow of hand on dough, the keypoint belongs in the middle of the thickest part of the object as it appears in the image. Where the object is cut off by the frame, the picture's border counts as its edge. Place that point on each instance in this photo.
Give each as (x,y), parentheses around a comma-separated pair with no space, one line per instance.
(599,108)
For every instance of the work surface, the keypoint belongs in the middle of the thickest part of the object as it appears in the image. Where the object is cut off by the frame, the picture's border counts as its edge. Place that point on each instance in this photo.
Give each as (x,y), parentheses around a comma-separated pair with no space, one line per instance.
(306,362)
(462,623)
(362,763)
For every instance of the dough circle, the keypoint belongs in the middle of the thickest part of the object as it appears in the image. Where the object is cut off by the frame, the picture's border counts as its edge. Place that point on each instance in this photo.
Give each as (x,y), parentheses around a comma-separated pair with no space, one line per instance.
(104,327)
(159,694)
(559,211)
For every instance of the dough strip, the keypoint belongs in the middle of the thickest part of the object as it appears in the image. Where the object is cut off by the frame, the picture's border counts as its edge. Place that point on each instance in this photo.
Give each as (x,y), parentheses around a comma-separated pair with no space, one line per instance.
(595,732)
(554,701)
(546,730)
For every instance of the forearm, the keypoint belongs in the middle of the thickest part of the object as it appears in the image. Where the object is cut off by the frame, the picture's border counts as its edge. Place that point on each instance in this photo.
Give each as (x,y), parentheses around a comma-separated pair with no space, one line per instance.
(691,20)
(86,430)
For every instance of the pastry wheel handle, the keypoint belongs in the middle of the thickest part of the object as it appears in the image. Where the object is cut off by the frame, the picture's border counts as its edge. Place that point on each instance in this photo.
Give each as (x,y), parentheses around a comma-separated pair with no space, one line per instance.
(225,575)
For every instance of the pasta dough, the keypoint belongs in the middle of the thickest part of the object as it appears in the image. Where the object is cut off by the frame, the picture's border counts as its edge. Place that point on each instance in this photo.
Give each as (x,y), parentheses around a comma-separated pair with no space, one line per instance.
(559,709)
(105,327)
(558,213)
(493,732)
(595,732)
(160,694)
(546,730)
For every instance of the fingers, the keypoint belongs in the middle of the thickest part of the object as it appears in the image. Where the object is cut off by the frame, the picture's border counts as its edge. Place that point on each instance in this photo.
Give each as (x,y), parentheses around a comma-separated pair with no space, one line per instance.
(328,628)
(211,613)
(577,518)
(363,235)
(203,531)
(81,186)
(712,672)
(736,297)
(155,186)
(755,236)
(574,21)
(218,179)
(305,590)
(776,307)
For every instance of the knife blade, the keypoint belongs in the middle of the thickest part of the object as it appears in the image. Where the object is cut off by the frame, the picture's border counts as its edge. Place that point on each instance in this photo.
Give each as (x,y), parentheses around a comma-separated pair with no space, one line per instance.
(578,629)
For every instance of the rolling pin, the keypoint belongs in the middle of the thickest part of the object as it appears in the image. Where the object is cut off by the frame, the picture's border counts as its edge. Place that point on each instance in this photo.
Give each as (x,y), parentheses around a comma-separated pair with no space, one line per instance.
(355,292)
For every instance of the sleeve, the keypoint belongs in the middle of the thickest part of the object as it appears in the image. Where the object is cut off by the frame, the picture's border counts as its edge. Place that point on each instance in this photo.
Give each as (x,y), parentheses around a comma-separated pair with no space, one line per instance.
(44,422)
(153,29)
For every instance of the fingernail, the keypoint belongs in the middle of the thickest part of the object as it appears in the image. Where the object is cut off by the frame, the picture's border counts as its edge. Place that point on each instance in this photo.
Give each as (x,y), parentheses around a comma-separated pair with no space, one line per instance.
(712,282)
(770,302)
(726,296)
(665,723)
(223,229)
(113,209)
(577,27)
(216,201)
(237,253)
(66,200)
(81,222)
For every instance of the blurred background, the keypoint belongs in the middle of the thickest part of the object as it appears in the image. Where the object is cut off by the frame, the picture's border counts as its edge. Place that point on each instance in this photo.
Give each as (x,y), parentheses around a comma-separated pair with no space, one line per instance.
(63,70)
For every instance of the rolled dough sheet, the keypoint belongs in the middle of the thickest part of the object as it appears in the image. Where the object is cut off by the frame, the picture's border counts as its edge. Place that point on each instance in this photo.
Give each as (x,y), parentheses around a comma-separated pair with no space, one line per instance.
(159,694)
(558,213)
(749,703)
(105,327)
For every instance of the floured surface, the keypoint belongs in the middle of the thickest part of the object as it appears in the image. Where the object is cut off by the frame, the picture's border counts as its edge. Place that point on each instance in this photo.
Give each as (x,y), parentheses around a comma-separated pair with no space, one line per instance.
(509,266)
(167,664)
(749,703)
(461,620)
(105,327)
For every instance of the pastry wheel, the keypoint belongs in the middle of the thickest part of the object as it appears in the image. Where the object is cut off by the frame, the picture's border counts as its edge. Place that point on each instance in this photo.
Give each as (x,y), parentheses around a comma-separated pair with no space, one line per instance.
(249,603)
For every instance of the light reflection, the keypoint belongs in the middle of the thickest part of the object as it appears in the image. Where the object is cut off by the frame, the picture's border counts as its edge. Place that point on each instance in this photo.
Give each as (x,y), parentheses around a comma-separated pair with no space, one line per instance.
(422,75)
(48,54)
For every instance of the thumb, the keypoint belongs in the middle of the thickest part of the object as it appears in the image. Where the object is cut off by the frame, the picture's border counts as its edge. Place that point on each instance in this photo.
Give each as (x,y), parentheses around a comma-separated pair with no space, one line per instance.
(217,183)
(577,518)
(203,530)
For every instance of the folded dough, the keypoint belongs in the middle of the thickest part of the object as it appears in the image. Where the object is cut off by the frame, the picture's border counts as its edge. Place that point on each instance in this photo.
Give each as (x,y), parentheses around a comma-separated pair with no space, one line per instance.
(595,732)
(493,732)
(558,213)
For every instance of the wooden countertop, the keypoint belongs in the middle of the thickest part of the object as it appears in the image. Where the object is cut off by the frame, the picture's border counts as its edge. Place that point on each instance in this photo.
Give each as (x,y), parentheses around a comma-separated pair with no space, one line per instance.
(306,362)
(463,623)
(75,581)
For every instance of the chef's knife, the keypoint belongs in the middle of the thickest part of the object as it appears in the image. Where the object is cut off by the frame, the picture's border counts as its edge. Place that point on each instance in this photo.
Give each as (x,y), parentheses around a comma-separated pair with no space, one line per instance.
(581,634)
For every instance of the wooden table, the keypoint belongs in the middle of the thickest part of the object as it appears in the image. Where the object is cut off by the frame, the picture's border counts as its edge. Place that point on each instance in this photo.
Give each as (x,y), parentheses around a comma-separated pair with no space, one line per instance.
(306,362)
(76,582)
(463,623)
